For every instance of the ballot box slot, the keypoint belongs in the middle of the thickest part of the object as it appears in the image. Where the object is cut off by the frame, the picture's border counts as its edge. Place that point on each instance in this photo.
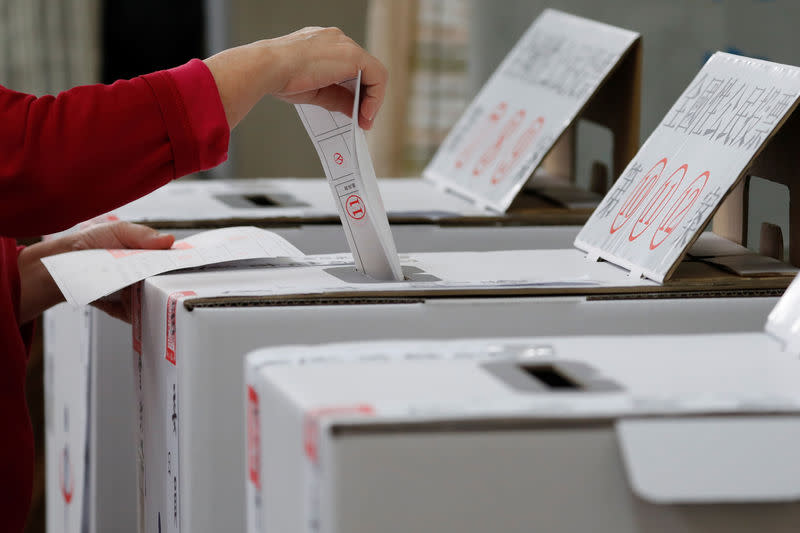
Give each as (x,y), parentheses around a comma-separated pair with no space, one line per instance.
(260,200)
(671,295)
(551,377)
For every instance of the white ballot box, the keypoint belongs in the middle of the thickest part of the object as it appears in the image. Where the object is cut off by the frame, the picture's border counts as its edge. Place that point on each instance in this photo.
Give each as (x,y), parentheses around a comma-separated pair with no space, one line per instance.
(693,433)
(89,377)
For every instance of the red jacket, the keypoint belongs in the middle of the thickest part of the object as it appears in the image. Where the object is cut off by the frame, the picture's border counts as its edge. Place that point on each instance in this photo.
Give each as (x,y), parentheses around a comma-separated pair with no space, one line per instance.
(69,158)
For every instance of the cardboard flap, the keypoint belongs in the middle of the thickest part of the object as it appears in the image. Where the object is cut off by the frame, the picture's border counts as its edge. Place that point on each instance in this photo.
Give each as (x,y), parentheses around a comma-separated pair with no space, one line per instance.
(777,163)
(731,459)
(695,157)
(530,103)
(783,322)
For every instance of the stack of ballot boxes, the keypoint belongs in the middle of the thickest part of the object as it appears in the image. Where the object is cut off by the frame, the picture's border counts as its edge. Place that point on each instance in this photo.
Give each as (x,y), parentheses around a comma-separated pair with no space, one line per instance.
(194,328)
(694,433)
(89,422)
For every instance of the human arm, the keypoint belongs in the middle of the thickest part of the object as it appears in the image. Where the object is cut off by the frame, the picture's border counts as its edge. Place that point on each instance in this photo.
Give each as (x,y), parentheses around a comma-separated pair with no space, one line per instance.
(38,290)
(91,149)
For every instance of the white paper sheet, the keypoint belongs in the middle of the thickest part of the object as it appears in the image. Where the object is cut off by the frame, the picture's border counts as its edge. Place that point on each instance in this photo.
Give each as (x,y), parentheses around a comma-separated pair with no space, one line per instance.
(668,192)
(87,275)
(343,152)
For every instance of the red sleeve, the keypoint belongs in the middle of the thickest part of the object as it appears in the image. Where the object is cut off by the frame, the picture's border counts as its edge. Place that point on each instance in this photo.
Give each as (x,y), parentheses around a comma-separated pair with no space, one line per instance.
(89,150)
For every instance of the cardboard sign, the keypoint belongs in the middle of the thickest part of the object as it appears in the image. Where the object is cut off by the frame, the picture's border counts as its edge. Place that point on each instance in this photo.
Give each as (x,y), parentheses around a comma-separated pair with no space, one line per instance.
(702,148)
(343,152)
(526,106)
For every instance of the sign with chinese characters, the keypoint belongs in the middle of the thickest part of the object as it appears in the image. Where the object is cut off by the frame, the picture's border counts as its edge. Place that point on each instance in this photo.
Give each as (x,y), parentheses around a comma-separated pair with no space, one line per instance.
(528,103)
(703,146)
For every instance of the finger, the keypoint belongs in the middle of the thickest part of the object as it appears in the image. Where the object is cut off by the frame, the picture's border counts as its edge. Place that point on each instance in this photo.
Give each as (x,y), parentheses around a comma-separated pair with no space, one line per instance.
(141,237)
(374,79)
(334,98)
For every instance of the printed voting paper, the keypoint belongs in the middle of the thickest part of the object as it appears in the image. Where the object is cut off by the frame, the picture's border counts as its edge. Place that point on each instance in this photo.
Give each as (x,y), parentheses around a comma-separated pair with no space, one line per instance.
(644,434)
(342,149)
(86,275)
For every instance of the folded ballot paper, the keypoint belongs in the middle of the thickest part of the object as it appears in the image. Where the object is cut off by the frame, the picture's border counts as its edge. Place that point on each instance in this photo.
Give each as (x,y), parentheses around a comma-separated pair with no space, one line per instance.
(342,150)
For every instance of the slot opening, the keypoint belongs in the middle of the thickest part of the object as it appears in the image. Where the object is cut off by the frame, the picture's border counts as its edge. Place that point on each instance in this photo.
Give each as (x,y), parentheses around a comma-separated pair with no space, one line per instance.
(551,377)
(259,200)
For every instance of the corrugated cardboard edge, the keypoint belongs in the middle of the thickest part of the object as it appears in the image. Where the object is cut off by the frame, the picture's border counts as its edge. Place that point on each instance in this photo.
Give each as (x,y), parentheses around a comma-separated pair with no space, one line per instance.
(738,287)
(549,216)
(445,424)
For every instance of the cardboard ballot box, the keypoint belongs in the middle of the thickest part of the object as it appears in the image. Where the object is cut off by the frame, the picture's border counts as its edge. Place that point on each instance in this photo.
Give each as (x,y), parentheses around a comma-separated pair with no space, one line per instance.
(90,425)
(90,340)
(604,434)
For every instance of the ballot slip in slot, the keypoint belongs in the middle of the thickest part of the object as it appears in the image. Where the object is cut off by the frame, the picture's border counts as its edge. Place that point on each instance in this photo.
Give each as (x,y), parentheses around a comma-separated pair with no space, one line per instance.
(343,152)
(704,146)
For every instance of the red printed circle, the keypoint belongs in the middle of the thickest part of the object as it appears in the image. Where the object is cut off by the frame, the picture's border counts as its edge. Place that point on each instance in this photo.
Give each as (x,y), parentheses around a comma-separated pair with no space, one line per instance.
(679,209)
(355,207)
(638,195)
(337,157)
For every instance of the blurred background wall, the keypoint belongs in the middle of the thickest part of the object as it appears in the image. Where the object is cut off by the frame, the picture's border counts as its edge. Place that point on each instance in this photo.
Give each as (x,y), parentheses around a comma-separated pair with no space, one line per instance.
(48,45)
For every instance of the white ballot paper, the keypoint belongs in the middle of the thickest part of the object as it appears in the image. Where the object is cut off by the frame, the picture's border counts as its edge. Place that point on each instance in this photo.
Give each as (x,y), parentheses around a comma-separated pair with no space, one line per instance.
(87,275)
(342,149)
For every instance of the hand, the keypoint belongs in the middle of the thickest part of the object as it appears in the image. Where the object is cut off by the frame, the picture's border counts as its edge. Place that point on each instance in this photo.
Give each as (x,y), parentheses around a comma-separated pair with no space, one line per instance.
(40,292)
(303,67)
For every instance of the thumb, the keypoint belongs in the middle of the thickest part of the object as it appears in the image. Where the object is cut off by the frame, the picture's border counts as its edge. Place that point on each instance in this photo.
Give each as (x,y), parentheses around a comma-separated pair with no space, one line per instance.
(141,237)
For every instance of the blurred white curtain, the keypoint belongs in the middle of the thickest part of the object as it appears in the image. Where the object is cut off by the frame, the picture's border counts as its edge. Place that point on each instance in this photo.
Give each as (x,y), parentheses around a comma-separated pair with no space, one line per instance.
(424,45)
(47,46)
